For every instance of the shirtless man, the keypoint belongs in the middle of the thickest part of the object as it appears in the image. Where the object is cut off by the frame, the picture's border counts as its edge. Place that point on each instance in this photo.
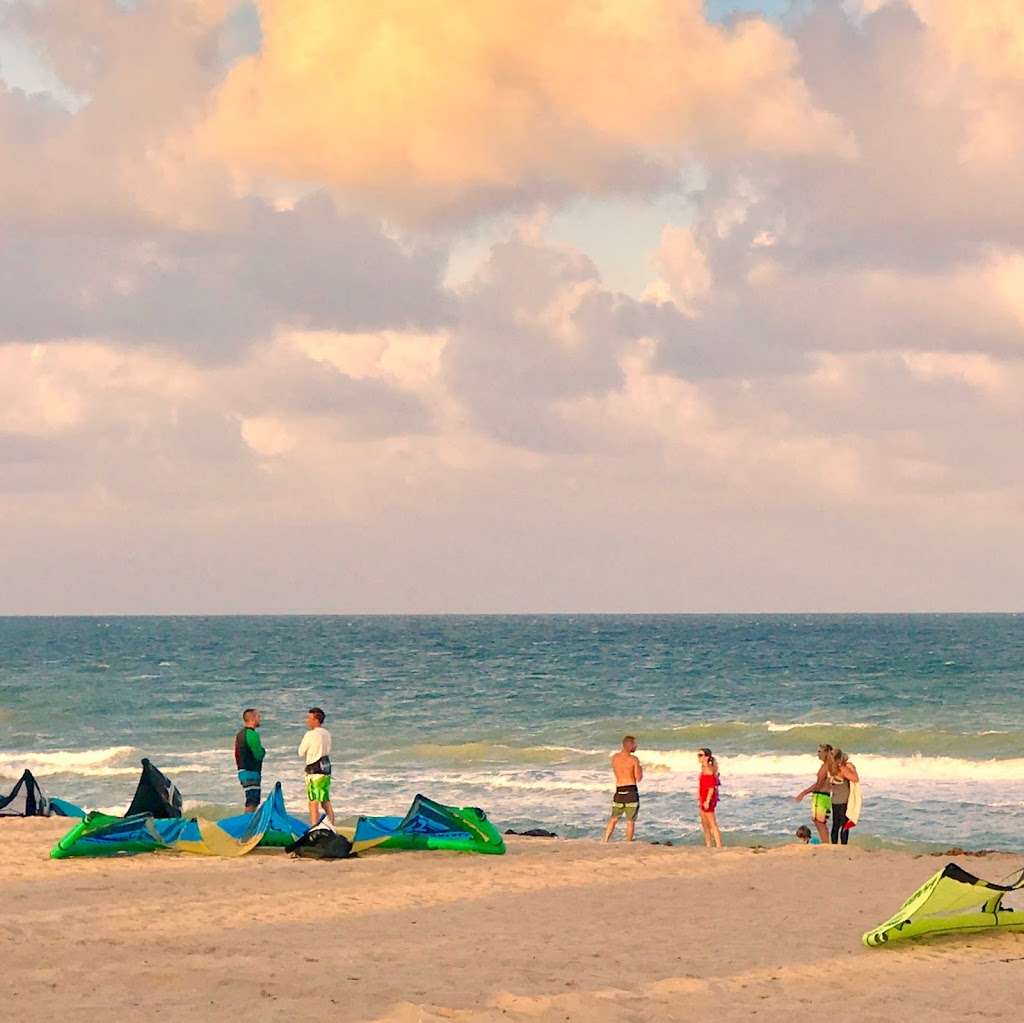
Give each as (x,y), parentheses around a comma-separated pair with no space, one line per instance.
(626,801)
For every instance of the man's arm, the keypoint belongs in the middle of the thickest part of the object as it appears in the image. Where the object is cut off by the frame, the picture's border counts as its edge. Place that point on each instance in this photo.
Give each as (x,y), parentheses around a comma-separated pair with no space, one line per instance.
(253,739)
(304,745)
(638,771)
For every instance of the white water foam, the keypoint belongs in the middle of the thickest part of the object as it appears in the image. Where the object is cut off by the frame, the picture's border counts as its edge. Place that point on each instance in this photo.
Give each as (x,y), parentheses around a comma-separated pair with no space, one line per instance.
(90,763)
(870,766)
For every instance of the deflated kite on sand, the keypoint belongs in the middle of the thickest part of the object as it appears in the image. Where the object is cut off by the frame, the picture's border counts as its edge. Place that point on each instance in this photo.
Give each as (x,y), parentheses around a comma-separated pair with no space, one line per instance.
(951,901)
(102,835)
(426,825)
(29,799)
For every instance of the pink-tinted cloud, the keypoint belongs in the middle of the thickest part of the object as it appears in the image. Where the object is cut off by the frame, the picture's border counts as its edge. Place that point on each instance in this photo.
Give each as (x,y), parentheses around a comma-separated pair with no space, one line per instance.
(423,108)
(274,405)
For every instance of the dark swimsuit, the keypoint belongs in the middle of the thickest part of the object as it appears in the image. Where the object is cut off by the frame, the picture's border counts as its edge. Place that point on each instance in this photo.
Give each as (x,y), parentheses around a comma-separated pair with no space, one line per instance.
(626,794)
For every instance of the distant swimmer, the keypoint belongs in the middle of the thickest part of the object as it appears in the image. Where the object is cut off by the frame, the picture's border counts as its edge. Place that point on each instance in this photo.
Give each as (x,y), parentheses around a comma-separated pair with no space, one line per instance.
(707,797)
(249,754)
(315,748)
(626,801)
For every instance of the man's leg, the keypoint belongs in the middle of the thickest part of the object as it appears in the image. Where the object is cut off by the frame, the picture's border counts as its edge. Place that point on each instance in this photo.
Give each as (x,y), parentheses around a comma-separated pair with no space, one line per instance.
(822,829)
(631,812)
(612,821)
(314,812)
(250,782)
(329,810)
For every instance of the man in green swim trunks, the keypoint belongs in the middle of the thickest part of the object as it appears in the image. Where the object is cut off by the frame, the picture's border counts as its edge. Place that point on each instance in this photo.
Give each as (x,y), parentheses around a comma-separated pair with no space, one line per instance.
(315,749)
(820,791)
(626,800)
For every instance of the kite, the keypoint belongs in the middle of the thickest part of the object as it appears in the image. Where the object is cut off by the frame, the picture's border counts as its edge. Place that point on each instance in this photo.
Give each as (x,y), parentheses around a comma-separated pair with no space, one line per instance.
(951,901)
(29,799)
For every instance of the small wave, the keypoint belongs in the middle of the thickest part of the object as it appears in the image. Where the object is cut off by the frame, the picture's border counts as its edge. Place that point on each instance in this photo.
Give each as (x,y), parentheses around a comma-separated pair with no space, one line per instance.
(855,736)
(94,763)
(871,766)
(771,726)
(547,785)
(485,752)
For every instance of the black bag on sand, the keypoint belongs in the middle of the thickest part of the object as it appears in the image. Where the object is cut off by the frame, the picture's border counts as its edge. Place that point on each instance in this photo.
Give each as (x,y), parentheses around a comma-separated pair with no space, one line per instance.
(321,844)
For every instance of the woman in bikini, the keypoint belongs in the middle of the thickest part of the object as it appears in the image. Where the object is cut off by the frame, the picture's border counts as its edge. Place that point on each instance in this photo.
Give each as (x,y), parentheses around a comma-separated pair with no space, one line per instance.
(821,792)
(707,797)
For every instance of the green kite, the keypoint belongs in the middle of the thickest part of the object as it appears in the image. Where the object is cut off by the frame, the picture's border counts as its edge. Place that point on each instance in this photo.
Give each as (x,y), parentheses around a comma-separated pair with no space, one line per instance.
(951,901)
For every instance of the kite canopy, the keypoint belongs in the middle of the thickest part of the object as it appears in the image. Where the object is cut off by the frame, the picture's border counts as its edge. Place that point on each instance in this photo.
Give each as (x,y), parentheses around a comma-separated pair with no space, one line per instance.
(29,799)
(426,825)
(951,900)
(102,835)
(155,794)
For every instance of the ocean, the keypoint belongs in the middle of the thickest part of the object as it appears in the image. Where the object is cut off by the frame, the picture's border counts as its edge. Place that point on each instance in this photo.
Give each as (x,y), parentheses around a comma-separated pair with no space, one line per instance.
(518,715)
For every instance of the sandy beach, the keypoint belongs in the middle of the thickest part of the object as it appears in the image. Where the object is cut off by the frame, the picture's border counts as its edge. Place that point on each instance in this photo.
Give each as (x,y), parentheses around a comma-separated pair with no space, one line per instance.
(554,930)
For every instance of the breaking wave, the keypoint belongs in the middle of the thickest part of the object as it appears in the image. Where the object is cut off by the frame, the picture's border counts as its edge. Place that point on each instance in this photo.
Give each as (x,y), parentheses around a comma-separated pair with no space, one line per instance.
(94,763)
(871,767)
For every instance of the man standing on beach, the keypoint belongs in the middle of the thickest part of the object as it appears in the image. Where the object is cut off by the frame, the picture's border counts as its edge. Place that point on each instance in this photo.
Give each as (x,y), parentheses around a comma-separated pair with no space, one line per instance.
(626,801)
(249,754)
(315,748)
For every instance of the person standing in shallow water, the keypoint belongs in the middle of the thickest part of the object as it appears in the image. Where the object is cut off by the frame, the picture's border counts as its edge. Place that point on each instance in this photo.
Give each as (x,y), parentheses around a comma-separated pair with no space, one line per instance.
(249,754)
(844,772)
(821,793)
(707,798)
(626,800)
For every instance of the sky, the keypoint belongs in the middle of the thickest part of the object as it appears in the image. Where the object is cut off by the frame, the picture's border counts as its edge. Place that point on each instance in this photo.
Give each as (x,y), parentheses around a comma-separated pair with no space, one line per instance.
(584,306)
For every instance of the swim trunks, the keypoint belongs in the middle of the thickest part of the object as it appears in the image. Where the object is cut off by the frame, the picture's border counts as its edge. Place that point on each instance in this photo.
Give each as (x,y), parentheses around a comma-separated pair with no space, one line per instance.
(821,804)
(626,802)
(318,788)
(250,782)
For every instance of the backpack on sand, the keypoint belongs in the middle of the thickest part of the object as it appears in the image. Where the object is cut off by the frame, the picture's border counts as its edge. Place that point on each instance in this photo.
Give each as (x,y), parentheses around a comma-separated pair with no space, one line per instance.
(321,844)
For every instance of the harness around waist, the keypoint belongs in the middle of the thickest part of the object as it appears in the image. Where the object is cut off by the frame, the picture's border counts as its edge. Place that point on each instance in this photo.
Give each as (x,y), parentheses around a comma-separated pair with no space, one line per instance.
(321,766)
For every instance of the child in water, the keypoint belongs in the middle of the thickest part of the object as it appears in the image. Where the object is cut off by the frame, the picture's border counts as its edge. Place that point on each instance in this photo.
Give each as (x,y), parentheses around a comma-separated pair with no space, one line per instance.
(707,798)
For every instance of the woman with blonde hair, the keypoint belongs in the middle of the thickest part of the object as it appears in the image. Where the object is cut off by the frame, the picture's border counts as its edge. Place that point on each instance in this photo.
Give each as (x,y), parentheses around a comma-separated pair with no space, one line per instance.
(820,791)
(843,773)
(707,798)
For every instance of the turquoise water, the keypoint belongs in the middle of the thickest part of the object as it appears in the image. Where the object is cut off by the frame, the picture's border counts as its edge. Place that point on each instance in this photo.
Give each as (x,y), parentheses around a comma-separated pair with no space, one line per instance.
(518,714)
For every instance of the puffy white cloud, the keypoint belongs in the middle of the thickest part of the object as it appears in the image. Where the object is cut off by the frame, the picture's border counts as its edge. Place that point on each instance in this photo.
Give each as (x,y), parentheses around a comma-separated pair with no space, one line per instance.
(429,108)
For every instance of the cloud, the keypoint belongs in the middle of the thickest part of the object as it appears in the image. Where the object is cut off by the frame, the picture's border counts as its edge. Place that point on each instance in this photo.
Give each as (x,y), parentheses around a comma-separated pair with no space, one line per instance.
(535,327)
(276,403)
(137,424)
(428,108)
(141,77)
(212,293)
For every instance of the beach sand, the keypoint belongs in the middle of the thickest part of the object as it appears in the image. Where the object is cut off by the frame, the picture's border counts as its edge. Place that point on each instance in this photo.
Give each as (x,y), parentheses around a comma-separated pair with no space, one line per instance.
(555,930)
